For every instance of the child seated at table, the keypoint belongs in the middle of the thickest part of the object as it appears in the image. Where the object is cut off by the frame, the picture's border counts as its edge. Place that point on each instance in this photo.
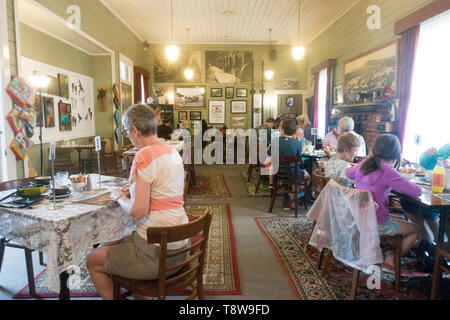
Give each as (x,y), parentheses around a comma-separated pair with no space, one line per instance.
(378,174)
(347,146)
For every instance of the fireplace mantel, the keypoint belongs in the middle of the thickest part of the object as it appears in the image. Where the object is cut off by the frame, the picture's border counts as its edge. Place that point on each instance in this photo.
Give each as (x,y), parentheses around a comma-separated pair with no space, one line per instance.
(365,107)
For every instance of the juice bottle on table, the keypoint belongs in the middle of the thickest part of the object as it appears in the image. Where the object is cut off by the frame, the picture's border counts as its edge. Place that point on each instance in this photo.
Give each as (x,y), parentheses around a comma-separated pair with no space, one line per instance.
(438,177)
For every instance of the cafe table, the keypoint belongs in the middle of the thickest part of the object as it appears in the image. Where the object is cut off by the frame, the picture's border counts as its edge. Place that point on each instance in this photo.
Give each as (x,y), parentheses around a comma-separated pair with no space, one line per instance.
(311,157)
(68,234)
(430,200)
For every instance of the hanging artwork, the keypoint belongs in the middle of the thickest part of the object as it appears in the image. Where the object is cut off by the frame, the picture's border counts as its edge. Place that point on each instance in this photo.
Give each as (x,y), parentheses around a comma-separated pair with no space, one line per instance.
(49,112)
(216,112)
(101,99)
(28,116)
(65,116)
(63,85)
(53,86)
(14,119)
(117,118)
(20,91)
(118,135)
(37,108)
(21,145)
(173,72)
(229,66)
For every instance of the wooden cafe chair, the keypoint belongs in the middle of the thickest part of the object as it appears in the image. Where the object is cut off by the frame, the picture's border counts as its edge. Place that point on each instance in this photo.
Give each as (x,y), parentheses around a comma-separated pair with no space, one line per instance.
(4,242)
(190,270)
(286,181)
(442,251)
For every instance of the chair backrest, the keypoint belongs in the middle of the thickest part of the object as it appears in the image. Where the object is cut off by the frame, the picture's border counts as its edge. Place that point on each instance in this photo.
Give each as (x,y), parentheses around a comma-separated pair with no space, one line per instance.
(318,181)
(289,167)
(187,178)
(192,266)
(13,184)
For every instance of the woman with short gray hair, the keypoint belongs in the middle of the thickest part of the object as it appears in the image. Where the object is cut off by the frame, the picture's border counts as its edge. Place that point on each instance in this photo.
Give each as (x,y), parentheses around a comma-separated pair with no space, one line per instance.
(346,124)
(154,199)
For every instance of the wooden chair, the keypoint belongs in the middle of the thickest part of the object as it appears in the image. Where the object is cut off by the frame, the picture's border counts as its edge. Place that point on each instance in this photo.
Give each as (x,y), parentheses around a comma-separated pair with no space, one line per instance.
(63,161)
(285,181)
(9,185)
(318,182)
(190,270)
(442,251)
(187,179)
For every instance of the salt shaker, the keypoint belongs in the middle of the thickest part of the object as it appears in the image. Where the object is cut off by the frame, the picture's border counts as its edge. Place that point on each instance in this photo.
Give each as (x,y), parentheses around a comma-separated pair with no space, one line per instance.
(89,183)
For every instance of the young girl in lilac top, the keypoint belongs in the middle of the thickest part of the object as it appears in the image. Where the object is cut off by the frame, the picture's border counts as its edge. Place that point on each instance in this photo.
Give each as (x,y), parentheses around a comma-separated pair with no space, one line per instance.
(378,174)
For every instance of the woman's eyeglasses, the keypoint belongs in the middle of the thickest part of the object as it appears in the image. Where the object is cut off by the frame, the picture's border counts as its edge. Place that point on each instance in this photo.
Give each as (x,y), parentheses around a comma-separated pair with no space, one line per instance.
(125,132)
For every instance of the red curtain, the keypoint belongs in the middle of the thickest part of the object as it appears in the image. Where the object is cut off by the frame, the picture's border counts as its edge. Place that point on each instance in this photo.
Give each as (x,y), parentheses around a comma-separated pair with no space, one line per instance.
(408,47)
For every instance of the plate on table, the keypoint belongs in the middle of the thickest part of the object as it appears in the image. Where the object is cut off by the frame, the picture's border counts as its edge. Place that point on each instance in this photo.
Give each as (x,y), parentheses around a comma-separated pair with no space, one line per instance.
(60,197)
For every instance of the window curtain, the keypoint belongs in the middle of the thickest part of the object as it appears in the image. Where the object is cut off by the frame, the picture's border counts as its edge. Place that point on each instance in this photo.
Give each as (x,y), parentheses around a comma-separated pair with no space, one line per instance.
(329,75)
(407,55)
(138,73)
(315,116)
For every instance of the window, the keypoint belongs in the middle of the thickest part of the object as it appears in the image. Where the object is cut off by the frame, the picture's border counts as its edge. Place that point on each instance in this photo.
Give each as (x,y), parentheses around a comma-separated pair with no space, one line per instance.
(143,97)
(323,87)
(429,109)
(125,72)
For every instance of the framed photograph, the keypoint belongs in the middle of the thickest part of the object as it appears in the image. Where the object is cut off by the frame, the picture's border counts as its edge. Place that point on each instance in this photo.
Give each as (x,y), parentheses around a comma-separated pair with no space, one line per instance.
(63,85)
(337,95)
(195,115)
(241,93)
(216,92)
(239,106)
(49,112)
(229,93)
(192,97)
(290,101)
(216,112)
(238,122)
(228,66)
(371,71)
(65,116)
(182,115)
(166,71)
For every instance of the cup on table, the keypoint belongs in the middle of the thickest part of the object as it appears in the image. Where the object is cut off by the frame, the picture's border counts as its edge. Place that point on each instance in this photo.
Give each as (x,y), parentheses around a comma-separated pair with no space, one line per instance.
(62,178)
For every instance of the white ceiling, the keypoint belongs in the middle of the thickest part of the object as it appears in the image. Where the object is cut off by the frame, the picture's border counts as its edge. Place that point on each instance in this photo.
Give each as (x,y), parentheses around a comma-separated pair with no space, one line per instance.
(150,19)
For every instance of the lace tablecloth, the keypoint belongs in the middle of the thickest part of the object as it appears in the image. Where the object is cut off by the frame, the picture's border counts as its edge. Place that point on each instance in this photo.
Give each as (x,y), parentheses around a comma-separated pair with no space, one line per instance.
(67,234)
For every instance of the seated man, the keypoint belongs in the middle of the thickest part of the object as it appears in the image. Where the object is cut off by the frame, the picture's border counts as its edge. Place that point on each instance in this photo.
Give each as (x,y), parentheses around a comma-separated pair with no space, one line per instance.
(347,146)
(290,146)
(164,130)
(331,138)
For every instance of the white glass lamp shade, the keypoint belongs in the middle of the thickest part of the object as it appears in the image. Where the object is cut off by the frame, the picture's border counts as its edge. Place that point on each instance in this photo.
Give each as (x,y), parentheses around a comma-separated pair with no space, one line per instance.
(189,74)
(269,74)
(39,81)
(172,52)
(298,52)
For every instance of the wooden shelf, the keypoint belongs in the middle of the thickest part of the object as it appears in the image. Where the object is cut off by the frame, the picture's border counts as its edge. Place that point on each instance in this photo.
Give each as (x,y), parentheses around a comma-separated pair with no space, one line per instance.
(365,107)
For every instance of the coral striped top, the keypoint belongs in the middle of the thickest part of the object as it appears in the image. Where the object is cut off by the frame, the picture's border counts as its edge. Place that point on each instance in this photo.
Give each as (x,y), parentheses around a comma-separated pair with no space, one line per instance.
(161,166)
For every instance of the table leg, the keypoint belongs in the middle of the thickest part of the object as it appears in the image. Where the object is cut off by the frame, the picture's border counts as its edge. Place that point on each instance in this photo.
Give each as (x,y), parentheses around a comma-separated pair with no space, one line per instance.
(64,292)
(442,217)
(2,251)
(79,159)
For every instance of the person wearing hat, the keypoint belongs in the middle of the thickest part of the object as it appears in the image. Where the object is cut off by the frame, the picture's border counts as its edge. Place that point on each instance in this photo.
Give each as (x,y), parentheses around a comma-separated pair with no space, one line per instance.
(331,139)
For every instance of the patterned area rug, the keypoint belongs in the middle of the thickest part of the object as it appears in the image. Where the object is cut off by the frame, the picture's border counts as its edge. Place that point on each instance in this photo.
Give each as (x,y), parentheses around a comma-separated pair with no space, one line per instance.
(210,187)
(287,236)
(221,273)
(263,190)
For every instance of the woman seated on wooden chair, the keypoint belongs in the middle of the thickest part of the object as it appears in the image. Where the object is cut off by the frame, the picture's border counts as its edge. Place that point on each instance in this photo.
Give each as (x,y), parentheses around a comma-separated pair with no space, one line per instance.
(347,146)
(156,200)
(290,146)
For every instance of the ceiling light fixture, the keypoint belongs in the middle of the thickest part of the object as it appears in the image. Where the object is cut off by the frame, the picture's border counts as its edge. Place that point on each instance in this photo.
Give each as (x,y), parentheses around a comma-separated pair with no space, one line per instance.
(227,12)
(298,51)
(172,51)
(189,73)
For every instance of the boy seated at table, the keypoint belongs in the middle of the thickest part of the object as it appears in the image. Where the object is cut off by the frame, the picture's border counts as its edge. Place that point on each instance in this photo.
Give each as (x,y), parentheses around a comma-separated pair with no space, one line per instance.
(290,146)
(347,146)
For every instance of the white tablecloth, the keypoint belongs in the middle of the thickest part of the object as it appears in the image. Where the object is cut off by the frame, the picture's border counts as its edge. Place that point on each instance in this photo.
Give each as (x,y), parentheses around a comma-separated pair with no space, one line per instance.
(67,234)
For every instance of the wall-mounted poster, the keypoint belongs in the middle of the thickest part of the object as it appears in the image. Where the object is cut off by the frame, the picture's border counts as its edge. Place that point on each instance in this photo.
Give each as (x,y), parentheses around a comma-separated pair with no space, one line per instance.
(190,97)
(370,71)
(229,66)
(195,115)
(65,116)
(216,112)
(239,106)
(166,71)
(63,85)
(49,112)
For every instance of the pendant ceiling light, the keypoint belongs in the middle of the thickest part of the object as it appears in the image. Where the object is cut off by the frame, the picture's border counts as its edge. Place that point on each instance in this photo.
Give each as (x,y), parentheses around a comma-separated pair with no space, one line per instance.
(269,73)
(298,51)
(188,72)
(172,51)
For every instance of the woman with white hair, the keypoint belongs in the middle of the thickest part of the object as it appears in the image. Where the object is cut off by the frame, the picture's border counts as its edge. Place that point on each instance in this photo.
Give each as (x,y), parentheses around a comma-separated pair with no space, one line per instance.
(346,124)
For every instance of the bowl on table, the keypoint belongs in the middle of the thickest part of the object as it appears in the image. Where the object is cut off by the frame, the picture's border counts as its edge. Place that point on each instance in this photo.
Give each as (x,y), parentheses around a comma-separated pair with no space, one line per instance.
(78,187)
(62,190)
(45,181)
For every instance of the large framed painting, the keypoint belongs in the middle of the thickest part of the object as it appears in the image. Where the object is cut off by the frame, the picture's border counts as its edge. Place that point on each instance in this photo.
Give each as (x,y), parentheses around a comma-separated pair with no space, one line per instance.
(167,71)
(370,72)
(190,97)
(63,85)
(216,111)
(65,116)
(229,66)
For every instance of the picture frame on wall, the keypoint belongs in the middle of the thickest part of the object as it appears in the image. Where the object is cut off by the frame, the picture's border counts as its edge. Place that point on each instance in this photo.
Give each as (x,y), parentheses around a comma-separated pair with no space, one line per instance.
(216,111)
(238,106)
(195,115)
(190,97)
(337,95)
(216,92)
(229,93)
(241,92)
(182,115)
(374,70)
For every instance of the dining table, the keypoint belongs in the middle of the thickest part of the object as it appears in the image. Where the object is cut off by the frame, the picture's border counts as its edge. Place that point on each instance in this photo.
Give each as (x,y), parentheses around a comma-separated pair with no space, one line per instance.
(69,233)
(312,157)
(431,200)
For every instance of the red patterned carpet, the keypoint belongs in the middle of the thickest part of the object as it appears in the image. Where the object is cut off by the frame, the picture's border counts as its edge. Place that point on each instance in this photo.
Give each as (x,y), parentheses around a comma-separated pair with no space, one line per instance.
(212,187)
(221,273)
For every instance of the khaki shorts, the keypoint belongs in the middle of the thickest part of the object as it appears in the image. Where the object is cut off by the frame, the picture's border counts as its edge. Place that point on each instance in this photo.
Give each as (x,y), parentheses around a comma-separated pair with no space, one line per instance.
(134,258)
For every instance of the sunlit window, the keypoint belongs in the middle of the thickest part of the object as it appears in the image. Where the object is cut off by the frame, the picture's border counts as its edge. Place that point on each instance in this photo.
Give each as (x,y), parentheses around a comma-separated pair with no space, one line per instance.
(429,109)
(125,72)
(323,87)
